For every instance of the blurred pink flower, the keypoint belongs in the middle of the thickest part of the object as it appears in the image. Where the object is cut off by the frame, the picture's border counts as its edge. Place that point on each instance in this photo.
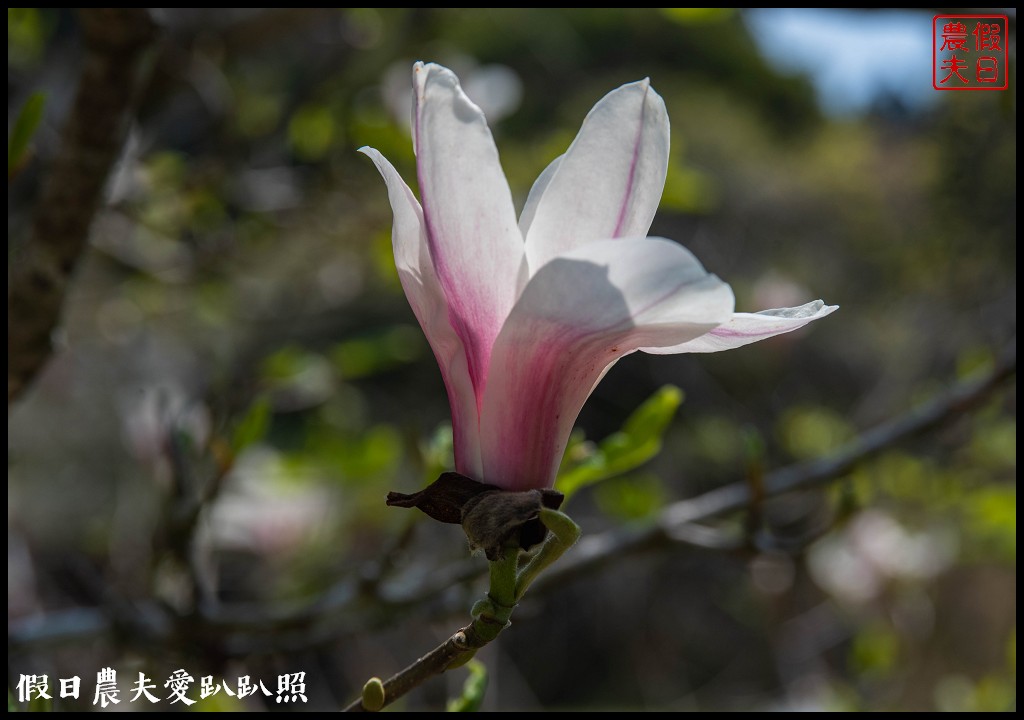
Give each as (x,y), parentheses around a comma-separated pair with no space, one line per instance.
(526,317)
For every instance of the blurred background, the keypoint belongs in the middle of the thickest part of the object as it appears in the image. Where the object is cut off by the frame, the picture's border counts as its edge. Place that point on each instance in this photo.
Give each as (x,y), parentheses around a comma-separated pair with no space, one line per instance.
(197,478)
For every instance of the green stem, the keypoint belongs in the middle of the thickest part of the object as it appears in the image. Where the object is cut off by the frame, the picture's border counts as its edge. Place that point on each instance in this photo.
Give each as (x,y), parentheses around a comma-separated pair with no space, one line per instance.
(564,534)
(503,578)
(490,615)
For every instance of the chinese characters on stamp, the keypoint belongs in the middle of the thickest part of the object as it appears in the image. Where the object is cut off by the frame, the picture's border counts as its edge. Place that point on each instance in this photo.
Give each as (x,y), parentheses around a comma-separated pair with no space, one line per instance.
(969,52)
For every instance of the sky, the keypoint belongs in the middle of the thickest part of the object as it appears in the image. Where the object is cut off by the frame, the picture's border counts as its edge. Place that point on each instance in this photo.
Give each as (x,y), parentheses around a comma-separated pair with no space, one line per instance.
(853,57)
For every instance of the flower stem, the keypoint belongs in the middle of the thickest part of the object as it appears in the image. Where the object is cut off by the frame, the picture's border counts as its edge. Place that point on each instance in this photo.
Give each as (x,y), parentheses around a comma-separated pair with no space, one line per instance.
(490,615)
(564,534)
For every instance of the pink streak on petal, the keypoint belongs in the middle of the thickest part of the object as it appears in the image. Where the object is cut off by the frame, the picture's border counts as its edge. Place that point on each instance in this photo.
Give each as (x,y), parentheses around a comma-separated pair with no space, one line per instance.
(554,379)
(746,328)
(475,244)
(610,180)
(465,422)
(427,299)
(627,196)
(579,314)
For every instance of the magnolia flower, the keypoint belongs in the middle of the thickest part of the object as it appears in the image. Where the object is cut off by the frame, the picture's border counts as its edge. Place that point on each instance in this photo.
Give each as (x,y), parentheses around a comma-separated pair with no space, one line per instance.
(526,317)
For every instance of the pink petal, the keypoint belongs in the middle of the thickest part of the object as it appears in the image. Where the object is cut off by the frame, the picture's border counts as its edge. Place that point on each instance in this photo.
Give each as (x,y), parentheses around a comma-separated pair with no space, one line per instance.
(609,183)
(745,328)
(470,221)
(416,272)
(577,315)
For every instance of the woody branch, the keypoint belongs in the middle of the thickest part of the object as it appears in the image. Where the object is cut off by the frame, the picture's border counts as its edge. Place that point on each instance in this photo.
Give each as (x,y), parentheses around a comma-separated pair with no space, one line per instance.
(95,130)
(238,631)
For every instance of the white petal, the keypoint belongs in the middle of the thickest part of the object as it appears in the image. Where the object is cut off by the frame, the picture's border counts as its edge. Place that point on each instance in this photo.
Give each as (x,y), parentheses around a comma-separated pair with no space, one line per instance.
(474,239)
(745,328)
(407,235)
(536,192)
(422,289)
(609,182)
(577,315)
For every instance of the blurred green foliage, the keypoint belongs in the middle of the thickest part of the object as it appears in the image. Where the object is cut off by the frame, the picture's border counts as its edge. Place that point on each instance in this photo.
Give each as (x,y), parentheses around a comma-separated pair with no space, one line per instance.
(27,32)
(812,432)
(875,651)
(472,690)
(638,441)
(633,497)
(311,132)
(25,125)
(253,425)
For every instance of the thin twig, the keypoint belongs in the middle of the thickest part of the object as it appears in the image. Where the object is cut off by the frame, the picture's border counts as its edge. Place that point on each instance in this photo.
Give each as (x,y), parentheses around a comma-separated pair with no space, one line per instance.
(433,663)
(675,520)
(115,39)
(246,629)
(490,617)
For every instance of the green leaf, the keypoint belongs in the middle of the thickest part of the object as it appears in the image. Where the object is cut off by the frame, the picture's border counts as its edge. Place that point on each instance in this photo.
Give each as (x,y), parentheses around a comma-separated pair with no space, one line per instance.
(253,426)
(638,441)
(651,419)
(24,129)
(472,690)
(631,498)
(378,352)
